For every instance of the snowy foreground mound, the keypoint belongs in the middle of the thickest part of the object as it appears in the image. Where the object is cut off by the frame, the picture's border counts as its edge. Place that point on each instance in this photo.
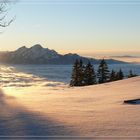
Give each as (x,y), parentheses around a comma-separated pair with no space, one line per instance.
(61,111)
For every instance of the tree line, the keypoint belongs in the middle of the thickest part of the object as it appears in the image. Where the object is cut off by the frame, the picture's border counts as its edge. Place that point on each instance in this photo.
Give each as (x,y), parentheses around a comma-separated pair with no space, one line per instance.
(84,75)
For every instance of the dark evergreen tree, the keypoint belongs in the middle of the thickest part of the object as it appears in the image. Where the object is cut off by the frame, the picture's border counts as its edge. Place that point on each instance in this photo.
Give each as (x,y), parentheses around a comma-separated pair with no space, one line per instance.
(131,74)
(120,75)
(77,78)
(74,77)
(81,73)
(103,72)
(113,76)
(89,75)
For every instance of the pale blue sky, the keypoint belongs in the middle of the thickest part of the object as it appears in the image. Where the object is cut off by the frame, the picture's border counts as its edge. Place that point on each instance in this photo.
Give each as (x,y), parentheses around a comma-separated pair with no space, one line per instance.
(87,27)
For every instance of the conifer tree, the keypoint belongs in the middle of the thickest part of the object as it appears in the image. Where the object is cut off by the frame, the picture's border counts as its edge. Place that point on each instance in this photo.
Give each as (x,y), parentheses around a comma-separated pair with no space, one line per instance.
(81,73)
(120,75)
(74,78)
(113,76)
(89,75)
(77,78)
(103,72)
(131,74)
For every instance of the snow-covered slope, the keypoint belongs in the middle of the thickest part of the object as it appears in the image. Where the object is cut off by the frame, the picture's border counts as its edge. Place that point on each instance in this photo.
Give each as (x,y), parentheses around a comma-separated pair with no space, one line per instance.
(83,111)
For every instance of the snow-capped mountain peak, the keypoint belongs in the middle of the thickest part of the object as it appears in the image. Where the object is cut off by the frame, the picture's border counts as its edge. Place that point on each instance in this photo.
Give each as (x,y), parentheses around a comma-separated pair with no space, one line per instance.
(39,55)
(36,51)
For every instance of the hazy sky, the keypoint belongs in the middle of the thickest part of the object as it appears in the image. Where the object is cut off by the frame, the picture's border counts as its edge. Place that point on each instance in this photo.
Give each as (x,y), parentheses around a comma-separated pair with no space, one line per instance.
(87,27)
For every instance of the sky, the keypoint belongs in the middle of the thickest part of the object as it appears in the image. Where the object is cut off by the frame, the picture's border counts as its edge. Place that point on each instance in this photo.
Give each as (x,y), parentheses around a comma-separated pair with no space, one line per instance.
(87,27)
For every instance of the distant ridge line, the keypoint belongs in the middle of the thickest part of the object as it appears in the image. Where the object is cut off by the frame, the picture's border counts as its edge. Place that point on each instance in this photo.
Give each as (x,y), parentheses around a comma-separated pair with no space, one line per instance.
(39,55)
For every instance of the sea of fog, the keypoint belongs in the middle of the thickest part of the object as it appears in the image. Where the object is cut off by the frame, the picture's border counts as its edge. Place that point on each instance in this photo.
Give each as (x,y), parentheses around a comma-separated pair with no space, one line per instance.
(47,75)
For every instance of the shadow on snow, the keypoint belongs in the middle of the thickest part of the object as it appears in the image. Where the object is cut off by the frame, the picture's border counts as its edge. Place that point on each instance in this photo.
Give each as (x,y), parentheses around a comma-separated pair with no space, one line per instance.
(18,121)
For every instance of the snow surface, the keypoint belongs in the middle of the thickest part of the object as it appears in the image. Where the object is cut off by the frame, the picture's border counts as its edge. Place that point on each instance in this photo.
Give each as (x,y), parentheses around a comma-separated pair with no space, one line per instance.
(63,111)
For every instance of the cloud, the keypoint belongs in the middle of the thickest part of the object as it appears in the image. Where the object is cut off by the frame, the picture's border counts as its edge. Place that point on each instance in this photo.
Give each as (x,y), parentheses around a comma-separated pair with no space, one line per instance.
(125,56)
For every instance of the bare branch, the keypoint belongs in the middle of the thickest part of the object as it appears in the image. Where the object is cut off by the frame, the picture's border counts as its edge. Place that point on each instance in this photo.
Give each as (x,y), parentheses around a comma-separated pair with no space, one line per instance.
(5,24)
(3,13)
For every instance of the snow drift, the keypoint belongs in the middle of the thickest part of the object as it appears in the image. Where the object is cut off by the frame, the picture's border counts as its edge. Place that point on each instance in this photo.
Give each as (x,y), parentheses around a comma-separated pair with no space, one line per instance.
(63,111)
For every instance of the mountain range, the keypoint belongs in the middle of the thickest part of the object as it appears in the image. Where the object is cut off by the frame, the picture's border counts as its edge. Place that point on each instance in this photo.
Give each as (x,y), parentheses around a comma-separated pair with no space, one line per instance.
(39,55)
